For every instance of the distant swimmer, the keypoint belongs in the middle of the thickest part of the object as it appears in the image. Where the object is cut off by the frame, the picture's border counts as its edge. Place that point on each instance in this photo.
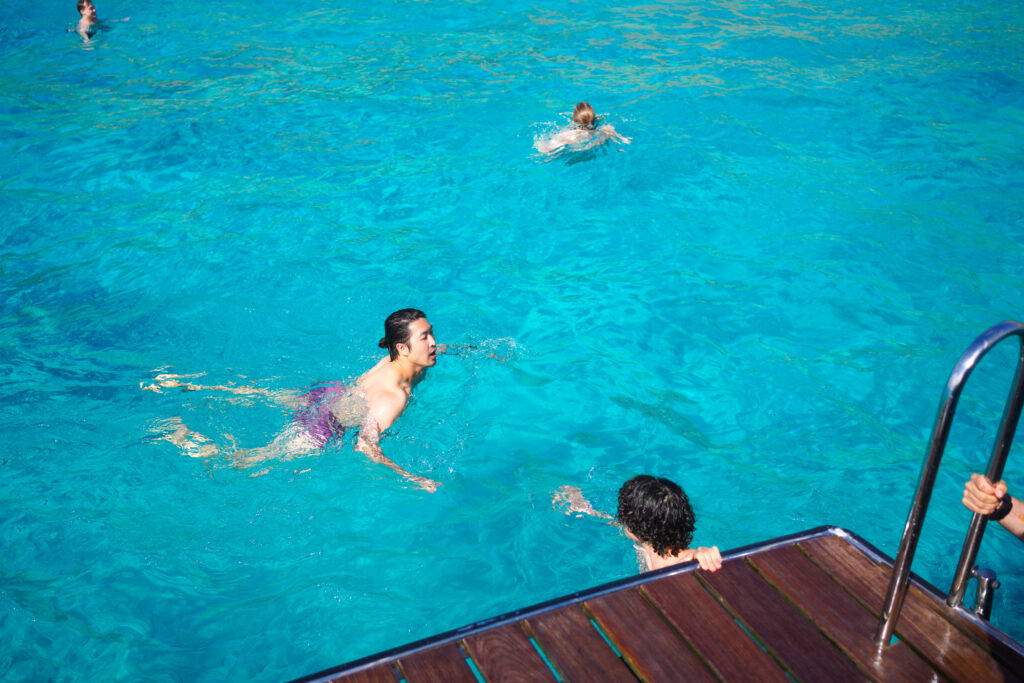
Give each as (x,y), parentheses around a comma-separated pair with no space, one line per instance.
(372,403)
(583,133)
(89,24)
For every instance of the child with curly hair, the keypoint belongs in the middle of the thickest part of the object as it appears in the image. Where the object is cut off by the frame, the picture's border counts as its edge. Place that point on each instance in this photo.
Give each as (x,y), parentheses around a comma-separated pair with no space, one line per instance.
(656,515)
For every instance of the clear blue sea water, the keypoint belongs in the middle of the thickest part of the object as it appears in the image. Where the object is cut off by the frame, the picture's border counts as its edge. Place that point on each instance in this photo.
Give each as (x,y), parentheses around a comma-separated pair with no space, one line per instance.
(761,297)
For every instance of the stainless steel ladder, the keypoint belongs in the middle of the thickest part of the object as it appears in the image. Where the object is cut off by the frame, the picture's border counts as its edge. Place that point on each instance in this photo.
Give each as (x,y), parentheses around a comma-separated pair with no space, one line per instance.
(943,421)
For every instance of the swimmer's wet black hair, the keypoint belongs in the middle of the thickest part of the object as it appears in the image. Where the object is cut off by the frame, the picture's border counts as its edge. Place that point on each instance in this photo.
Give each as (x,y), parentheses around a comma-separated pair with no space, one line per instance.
(657,511)
(396,329)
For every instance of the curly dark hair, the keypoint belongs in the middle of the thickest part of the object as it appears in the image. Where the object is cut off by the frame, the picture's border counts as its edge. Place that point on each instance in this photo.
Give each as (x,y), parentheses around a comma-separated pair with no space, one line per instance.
(656,511)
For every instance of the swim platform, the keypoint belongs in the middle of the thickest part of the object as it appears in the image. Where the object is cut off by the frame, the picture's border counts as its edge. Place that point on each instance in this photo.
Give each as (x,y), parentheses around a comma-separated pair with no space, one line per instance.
(803,607)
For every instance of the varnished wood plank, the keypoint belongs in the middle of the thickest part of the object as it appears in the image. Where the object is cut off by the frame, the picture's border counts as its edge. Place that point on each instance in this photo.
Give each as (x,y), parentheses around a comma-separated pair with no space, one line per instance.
(381,673)
(439,663)
(575,648)
(843,619)
(925,629)
(649,643)
(506,655)
(712,630)
(1003,653)
(780,626)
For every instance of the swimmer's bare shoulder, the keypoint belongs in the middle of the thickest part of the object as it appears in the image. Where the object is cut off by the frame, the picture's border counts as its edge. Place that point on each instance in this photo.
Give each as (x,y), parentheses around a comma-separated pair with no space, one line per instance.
(386,393)
(377,378)
(573,136)
(569,136)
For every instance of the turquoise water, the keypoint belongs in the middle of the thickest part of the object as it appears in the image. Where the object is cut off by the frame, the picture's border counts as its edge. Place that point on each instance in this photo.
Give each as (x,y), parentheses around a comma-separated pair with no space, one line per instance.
(761,297)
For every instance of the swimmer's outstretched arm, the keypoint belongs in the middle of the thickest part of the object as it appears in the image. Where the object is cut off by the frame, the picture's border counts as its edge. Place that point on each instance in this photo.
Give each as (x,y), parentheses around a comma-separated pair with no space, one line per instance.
(369,444)
(464,349)
(571,499)
(461,350)
(454,349)
(607,132)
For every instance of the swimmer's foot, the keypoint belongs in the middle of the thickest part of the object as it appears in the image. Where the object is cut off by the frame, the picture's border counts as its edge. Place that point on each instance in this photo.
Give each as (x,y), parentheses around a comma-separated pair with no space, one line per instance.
(158,387)
(166,376)
(198,450)
(249,457)
(170,381)
(192,444)
(172,429)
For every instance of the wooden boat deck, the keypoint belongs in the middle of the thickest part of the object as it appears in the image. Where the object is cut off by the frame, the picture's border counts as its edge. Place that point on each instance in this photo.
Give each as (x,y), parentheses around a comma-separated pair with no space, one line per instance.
(802,608)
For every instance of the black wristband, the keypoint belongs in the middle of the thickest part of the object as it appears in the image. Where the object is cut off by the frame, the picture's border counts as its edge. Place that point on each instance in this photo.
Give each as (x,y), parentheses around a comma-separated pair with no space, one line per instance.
(1003,509)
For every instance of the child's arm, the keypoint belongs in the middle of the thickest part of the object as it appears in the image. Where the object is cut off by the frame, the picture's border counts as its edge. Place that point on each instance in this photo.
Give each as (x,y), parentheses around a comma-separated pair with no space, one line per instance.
(571,498)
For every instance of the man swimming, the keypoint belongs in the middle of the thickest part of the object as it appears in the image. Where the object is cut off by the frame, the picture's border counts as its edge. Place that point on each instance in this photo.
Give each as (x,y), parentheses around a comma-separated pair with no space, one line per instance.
(386,387)
(372,403)
(582,134)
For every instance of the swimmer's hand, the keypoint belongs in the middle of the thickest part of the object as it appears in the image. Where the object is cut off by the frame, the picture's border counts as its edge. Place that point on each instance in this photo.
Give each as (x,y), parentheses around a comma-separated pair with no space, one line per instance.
(608,131)
(428,485)
(570,499)
(981,495)
(708,559)
(454,349)
(460,350)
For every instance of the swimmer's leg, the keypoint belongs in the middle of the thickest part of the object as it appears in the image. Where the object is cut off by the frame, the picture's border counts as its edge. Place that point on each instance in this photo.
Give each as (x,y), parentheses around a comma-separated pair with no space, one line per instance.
(168,381)
(283,397)
(289,444)
(191,443)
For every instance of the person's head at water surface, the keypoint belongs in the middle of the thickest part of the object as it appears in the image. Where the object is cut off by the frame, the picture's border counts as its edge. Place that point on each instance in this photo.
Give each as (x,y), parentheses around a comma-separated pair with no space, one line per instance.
(655,511)
(583,115)
(87,10)
(407,334)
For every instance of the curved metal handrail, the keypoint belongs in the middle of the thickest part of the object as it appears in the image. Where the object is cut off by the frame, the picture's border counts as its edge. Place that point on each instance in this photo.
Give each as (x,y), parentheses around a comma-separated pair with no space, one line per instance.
(940,433)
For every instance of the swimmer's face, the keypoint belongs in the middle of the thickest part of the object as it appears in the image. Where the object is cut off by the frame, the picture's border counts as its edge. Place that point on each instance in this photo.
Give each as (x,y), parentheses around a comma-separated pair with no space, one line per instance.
(89,11)
(421,348)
